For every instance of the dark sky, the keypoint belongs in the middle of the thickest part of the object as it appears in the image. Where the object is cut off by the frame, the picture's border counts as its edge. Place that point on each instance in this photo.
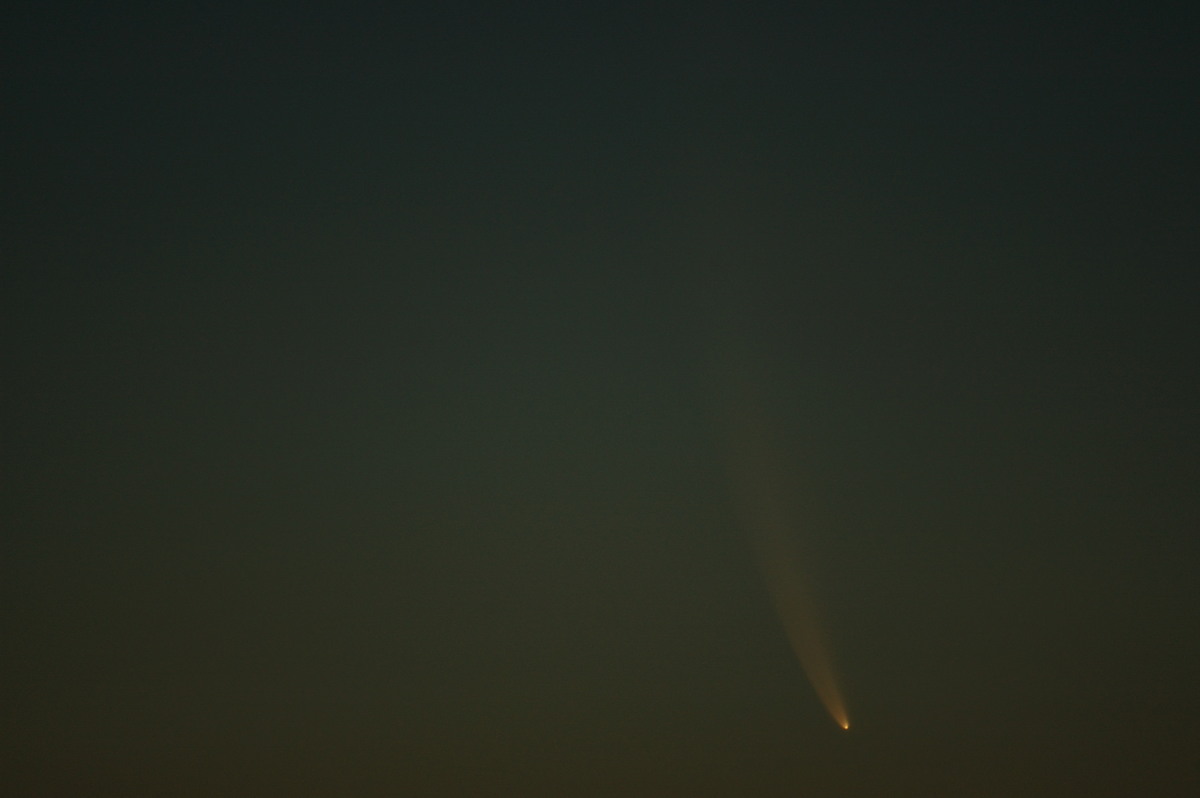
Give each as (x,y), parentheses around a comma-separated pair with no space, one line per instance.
(362,434)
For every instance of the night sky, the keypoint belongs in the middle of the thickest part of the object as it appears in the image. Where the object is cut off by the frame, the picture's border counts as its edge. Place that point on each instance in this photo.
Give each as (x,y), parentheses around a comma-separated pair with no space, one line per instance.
(366,390)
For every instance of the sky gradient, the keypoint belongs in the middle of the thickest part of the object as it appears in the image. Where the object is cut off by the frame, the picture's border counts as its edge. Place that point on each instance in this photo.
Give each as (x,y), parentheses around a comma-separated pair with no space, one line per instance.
(366,378)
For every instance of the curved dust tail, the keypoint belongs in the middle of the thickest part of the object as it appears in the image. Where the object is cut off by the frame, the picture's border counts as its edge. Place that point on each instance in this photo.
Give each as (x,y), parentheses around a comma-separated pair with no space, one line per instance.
(760,481)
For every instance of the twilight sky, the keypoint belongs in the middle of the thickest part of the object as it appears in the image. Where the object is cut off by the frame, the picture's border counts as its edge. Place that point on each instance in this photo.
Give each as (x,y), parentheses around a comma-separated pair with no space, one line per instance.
(365,411)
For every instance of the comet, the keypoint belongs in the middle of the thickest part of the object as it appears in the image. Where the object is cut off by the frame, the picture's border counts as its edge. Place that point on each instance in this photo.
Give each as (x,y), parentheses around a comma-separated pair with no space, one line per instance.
(766,486)
(765,493)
